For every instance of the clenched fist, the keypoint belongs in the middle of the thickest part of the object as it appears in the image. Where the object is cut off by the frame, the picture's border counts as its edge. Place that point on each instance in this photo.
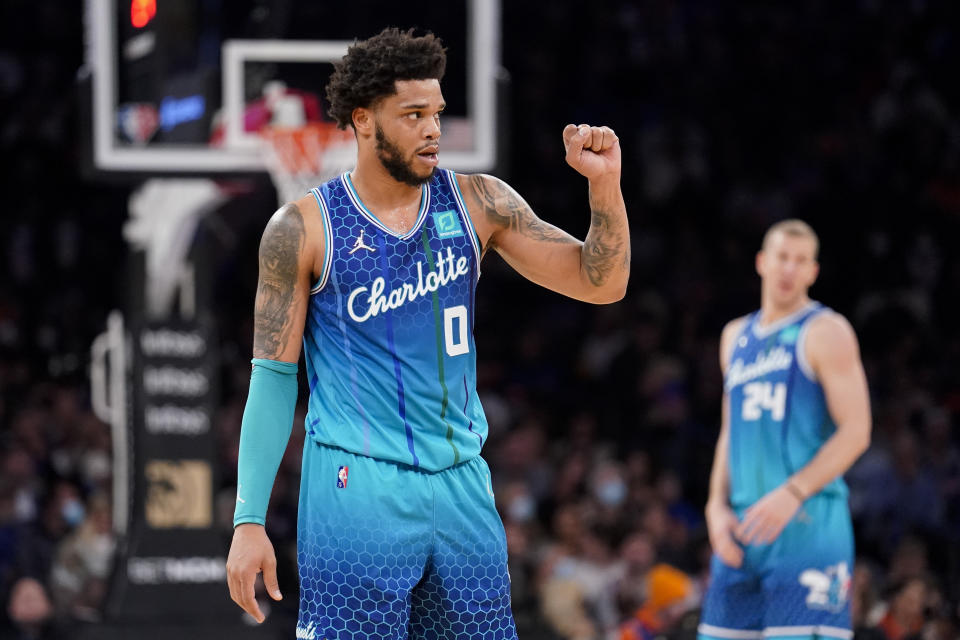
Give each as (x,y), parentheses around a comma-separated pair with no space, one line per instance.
(593,151)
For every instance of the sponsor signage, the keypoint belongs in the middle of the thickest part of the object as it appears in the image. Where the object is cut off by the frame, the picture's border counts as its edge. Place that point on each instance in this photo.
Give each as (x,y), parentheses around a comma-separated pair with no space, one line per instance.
(174,564)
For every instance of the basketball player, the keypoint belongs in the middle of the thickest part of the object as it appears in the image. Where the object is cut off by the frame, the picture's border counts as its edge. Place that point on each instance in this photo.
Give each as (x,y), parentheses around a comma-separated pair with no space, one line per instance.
(795,416)
(374,273)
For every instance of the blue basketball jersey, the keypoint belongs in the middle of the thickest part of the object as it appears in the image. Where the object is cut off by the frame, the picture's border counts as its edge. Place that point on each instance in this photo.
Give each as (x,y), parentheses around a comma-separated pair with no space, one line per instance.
(778,411)
(388,341)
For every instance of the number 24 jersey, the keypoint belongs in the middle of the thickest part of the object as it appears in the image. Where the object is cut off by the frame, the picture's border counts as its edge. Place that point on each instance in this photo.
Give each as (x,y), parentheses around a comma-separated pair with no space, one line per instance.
(778,411)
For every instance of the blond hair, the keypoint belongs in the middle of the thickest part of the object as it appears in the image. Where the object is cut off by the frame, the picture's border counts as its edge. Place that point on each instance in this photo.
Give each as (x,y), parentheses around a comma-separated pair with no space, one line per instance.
(793,227)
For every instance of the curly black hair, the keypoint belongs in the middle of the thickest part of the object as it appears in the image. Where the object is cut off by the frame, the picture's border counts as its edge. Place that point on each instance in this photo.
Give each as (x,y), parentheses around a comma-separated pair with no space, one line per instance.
(372,66)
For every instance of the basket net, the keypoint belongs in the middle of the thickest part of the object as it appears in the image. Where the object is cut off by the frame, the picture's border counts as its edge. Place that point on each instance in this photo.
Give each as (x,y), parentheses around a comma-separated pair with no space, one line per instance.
(300,158)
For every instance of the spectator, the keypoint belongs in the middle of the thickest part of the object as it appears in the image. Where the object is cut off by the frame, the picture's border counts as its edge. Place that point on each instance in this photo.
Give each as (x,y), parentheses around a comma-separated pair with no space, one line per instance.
(670,595)
(31,612)
(905,615)
(82,564)
(864,602)
(637,556)
(578,578)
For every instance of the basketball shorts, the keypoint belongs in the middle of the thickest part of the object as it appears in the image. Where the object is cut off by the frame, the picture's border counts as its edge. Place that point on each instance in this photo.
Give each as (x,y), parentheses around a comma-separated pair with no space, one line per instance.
(797,587)
(387,551)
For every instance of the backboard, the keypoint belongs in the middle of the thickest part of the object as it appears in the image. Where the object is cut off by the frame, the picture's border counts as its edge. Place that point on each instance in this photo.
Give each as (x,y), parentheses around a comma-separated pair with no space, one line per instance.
(178,86)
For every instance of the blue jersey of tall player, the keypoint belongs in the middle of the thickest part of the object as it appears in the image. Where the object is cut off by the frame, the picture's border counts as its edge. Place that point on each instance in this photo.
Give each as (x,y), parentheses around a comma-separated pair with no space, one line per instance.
(781,418)
(398,535)
(795,417)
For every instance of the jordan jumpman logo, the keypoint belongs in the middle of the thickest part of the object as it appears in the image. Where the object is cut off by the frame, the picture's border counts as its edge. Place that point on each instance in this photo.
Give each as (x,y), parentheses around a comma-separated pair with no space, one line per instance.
(360,245)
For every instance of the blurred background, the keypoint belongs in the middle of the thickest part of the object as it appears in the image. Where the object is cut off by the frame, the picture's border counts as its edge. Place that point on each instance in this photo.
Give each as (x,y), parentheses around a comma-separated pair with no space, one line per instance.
(603,419)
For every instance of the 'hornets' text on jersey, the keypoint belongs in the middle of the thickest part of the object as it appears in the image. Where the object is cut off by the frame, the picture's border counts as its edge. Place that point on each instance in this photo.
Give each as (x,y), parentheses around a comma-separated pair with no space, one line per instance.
(778,412)
(388,341)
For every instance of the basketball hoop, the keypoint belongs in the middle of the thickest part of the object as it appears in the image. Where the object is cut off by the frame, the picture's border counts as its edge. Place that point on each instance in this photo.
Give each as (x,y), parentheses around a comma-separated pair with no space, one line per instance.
(301,158)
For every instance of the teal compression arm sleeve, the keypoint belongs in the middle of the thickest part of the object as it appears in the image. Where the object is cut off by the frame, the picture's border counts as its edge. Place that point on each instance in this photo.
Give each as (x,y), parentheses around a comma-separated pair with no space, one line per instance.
(264,432)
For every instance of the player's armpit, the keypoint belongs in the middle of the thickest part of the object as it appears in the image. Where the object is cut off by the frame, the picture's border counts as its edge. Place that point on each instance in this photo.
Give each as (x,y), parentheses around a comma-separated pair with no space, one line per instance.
(282,288)
(834,355)
(832,351)
(730,333)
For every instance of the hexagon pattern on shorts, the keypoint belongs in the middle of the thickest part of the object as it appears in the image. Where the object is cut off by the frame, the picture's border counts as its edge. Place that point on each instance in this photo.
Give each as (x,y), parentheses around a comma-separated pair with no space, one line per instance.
(400,553)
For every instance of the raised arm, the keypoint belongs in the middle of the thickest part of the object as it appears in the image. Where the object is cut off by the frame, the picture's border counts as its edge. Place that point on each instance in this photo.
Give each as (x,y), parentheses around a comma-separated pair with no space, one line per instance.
(593,270)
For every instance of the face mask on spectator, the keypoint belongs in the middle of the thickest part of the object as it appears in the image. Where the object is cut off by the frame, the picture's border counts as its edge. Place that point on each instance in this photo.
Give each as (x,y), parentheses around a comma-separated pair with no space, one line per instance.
(521,508)
(25,506)
(72,512)
(612,493)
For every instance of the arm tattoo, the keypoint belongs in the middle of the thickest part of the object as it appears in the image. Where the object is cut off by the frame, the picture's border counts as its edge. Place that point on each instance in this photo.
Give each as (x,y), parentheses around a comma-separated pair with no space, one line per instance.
(601,248)
(506,210)
(280,249)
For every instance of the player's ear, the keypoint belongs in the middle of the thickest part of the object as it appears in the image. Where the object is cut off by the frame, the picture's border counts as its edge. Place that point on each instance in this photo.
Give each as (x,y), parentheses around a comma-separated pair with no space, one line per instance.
(759,263)
(363,121)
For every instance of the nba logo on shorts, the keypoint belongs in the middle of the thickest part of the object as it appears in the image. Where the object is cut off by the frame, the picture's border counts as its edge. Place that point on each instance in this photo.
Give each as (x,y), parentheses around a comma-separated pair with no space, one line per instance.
(342,477)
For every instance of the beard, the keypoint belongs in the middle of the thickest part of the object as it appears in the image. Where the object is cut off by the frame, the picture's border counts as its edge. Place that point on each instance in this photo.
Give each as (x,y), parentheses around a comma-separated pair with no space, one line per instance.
(391,157)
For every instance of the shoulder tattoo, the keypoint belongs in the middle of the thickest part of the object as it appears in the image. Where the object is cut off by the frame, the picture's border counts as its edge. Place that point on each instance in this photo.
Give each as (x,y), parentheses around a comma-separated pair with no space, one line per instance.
(280,248)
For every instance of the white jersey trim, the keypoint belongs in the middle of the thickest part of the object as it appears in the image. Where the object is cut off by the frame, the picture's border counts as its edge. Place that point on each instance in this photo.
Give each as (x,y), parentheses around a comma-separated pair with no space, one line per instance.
(733,634)
(773,632)
(421,215)
(748,321)
(327,242)
(801,349)
(465,215)
(819,630)
(763,332)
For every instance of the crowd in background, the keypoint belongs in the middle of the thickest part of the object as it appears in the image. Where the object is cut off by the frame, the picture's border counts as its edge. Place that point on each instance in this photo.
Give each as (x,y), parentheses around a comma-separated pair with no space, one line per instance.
(602,419)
